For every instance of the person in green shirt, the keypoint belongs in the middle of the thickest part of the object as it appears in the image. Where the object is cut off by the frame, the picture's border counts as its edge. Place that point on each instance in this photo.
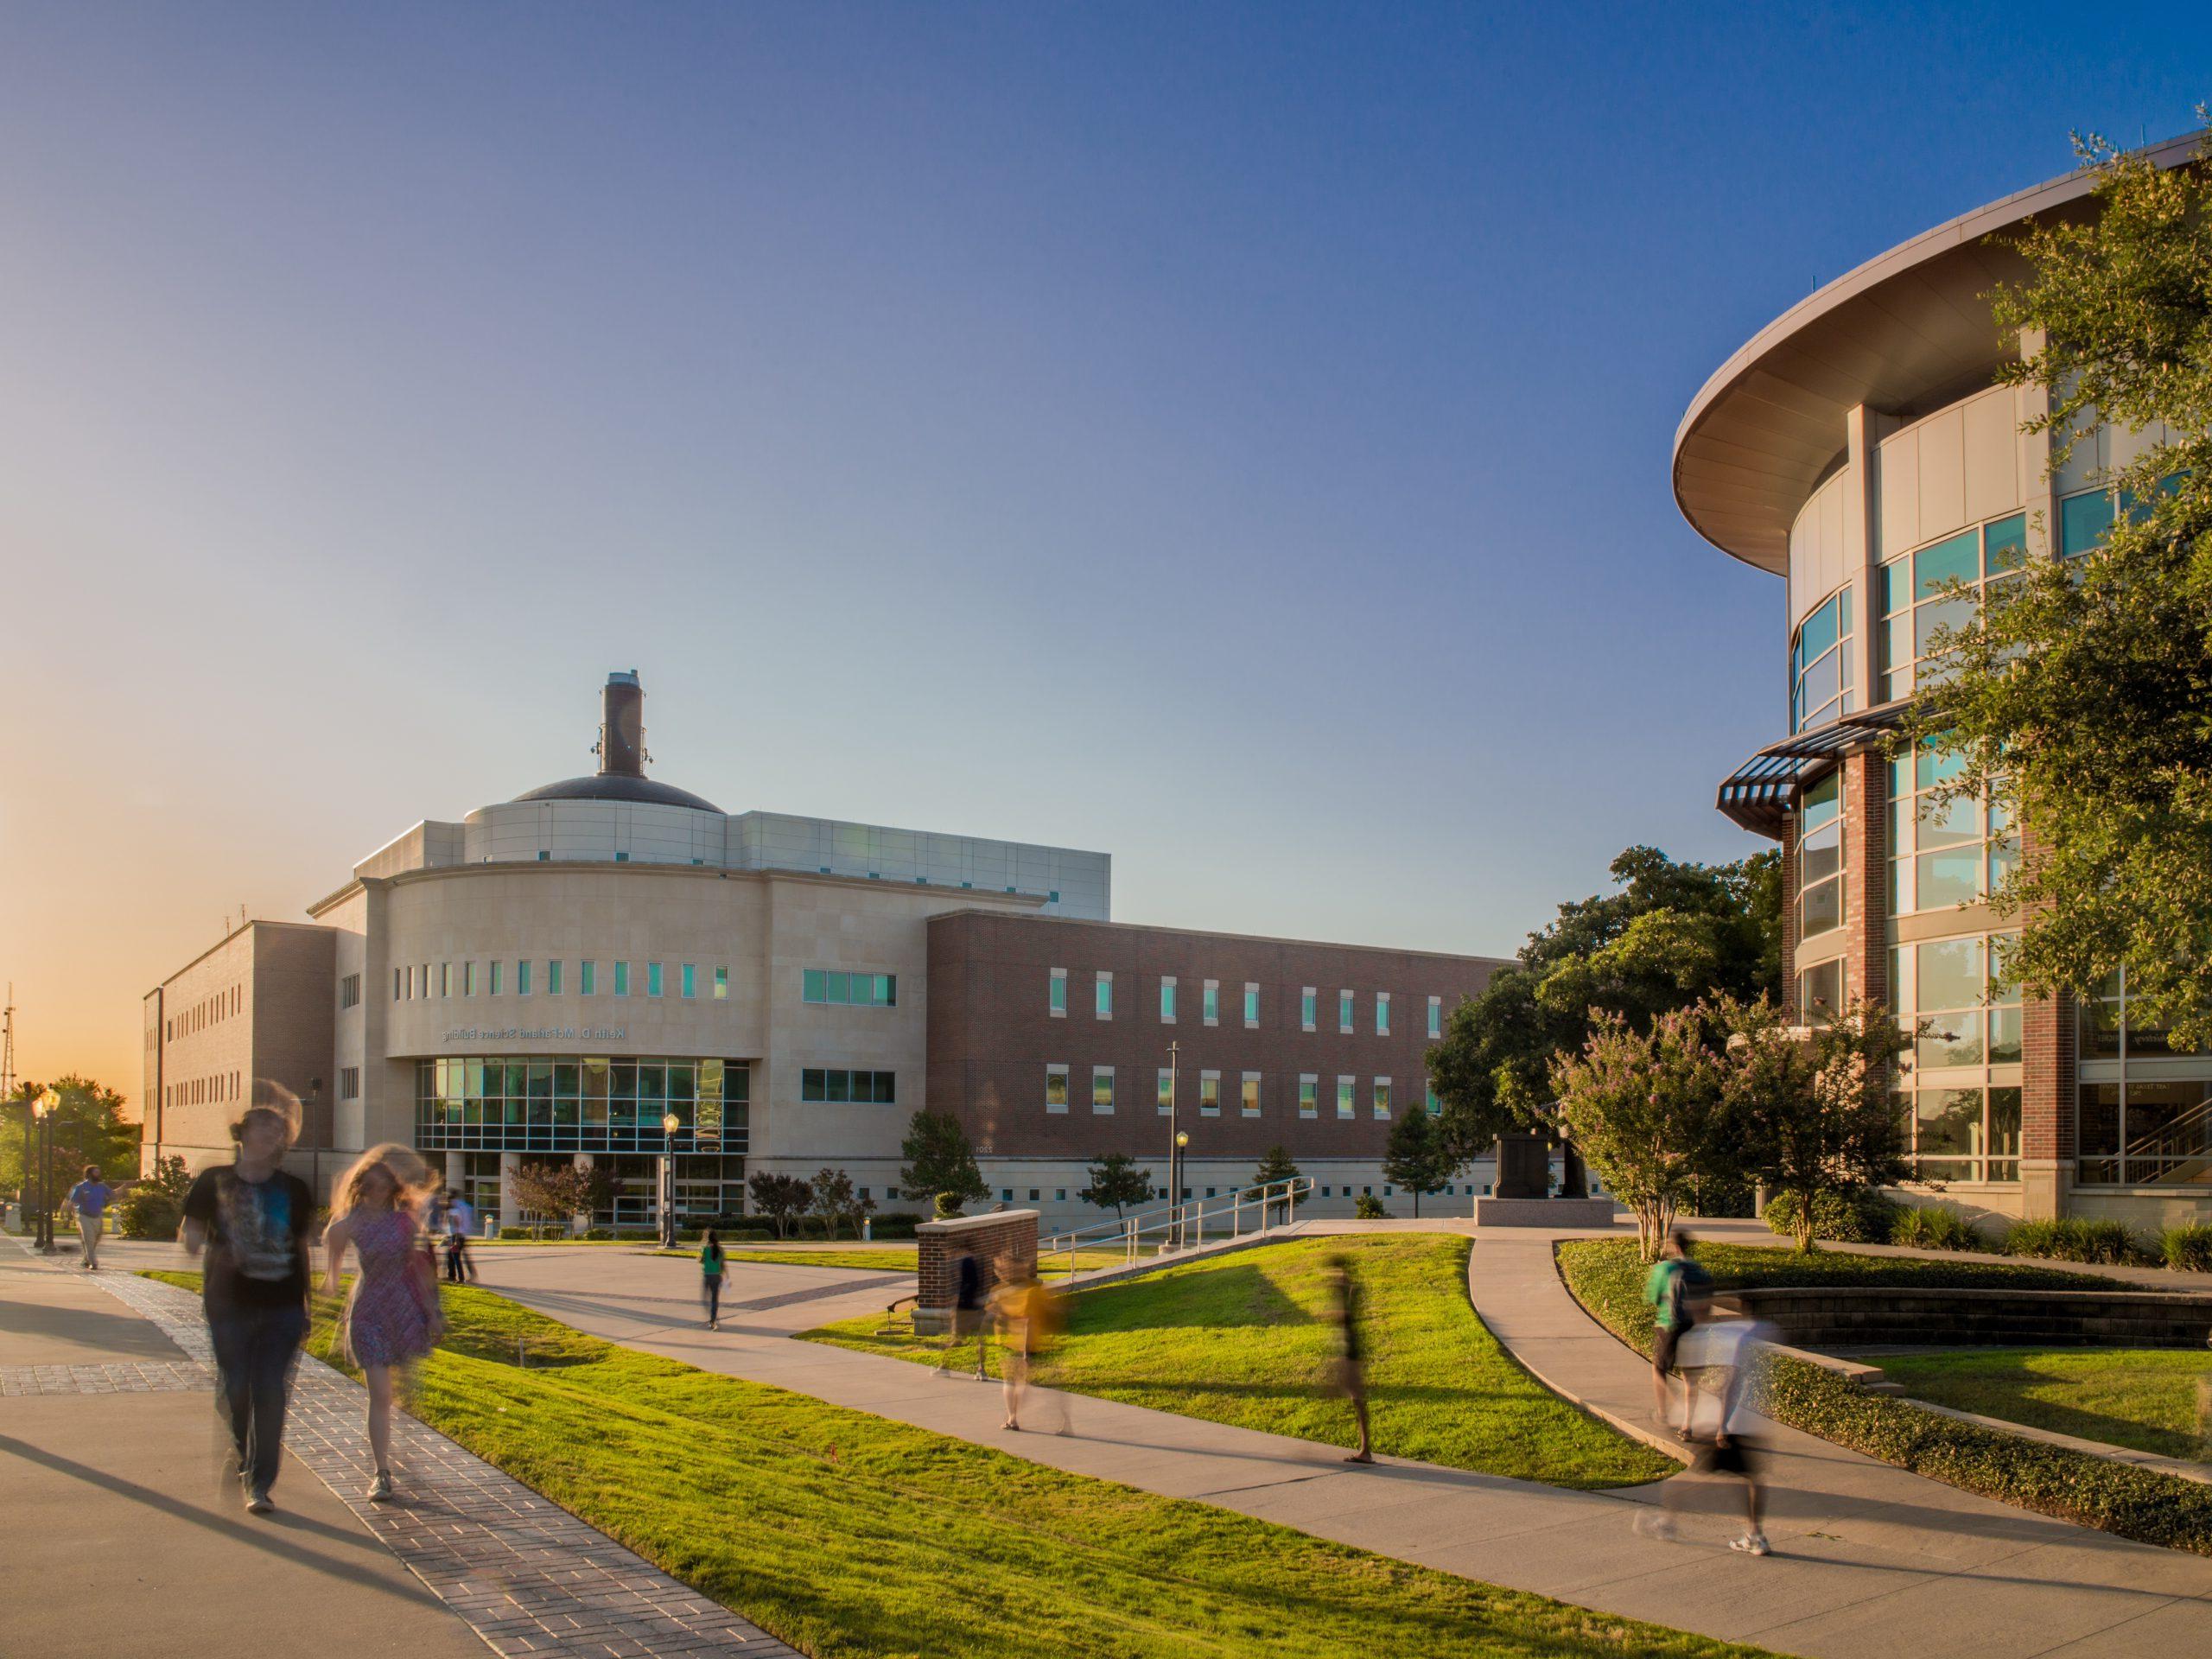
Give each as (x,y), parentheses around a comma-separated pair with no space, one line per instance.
(1672,1289)
(712,1265)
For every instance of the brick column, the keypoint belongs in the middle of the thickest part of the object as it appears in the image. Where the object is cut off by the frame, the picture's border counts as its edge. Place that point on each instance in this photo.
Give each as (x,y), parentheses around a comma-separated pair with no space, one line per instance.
(1866,876)
(2049,1044)
(1789,917)
(940,1244)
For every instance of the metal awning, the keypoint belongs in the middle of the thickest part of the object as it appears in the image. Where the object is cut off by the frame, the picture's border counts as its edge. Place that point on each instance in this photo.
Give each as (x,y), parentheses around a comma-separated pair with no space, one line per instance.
(1756,794)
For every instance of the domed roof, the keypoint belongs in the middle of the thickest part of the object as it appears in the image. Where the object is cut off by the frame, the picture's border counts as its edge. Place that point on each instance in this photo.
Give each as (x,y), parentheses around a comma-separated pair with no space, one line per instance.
(621,774)
(618,786)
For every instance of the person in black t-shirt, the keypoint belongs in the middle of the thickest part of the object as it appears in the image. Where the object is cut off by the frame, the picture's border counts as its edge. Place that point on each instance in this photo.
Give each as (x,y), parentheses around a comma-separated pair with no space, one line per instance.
(256,1223)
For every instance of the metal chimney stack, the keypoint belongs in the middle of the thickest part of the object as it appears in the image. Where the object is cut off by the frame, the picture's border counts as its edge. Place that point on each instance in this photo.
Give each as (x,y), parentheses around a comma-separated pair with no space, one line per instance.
(622,726)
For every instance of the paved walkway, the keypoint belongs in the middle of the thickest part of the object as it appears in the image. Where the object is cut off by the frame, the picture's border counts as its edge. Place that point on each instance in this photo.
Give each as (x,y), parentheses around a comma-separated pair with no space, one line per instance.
(1873,1561)
(468,1558)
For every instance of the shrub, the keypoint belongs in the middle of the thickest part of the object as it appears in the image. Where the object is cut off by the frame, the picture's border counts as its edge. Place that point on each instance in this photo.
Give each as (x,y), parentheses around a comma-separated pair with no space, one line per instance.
(2072,1238)
(948,1206)
(1370,1208)
(899,1223)
(2189,1249)
(1862,1215)
(1935,1227)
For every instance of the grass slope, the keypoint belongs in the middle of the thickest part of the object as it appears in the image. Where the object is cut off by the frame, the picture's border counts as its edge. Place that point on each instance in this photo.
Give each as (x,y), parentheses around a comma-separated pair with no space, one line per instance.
(2142,1398)
(1244,1339)
(854,1537)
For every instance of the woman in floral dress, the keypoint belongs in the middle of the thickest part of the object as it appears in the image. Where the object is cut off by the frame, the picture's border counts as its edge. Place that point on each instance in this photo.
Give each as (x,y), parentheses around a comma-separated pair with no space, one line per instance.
(393,1317)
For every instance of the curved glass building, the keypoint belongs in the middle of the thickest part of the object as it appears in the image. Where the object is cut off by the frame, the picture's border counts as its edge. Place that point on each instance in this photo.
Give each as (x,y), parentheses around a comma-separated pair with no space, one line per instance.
(1858,449)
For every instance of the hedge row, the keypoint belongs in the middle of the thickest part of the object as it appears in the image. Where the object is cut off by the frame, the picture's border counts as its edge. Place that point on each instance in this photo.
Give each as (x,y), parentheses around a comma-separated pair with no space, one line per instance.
(1606,1277)
(1868,1217)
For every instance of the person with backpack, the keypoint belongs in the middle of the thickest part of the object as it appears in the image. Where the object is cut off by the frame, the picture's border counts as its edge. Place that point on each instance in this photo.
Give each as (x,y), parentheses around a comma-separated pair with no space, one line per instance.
(1674,1288)
(967,1314)
(713,1264)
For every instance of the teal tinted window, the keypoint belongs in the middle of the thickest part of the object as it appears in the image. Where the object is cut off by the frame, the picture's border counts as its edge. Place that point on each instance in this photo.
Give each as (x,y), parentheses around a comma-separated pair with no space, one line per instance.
(494,986)
(2005,544)
(1819,632)
(813,988)
(1167,998)
(552,979)
(1896,586)
(721,982)
(2083,521)
(652,979)
(1957,560)
(588,979)
(689,973)
(887,990)
(1936,764)
(1059,983)
(621,979)
(1823,801)
(522,979)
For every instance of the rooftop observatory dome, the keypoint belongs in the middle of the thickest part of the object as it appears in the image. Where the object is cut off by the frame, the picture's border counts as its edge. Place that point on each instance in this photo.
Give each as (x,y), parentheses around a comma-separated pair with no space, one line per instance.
(622,756)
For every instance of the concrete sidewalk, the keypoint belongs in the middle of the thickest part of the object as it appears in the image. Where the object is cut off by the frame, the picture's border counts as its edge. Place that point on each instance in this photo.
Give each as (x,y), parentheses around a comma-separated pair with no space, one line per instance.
(121,1542)
(1874,1561)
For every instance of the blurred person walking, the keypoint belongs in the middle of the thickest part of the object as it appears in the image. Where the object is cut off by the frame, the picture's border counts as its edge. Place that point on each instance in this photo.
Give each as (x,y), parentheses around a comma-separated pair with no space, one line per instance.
(712,1265)
(1674,1286)
(393,1318)
(460,1221)
(1727,1358)
(89,1199)
(967,1314)
(255,1222)
(1025,1314)
(1349,1369)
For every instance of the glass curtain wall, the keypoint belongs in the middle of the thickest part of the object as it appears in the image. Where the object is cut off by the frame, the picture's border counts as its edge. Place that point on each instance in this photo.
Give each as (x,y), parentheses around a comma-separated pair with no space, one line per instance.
(2143,1114)
(1959,1083)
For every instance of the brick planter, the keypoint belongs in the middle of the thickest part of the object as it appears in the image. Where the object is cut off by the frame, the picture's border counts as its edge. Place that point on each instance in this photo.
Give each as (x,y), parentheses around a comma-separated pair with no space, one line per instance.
(941,1244)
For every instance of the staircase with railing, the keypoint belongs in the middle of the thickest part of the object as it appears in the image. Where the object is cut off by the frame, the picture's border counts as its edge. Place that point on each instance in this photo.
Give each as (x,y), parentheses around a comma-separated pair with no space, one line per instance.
(1174,1230)
(2177,1152)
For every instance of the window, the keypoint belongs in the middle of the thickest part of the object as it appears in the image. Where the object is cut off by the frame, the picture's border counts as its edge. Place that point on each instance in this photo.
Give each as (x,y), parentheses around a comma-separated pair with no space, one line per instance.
(1167,1000)
(445,979)
(849,990)
(652,979)
(1056,1088)
(621,979)
(1382,1014)
(861,1088)
(1101,1090)
(1308,1088)
(1344,1087)
(1820,858)
(1819,993)
(2082,522)
(1943,856)
(1343,1013)
(587,979)
(469,979)
(1209,1094)
(349,1082)
(522,978)
(1820,665)
(1251,1006)
(1167,1090)
(1104,1005)
(1917,601)
(406,982)
(1308,1012)
(1435,1018)
(722,984)
(688,980)
(349,991)
(1435,1102)
(1381,1097)
(1060,992)
(492,986)
(1248,1096)
(1211,1009)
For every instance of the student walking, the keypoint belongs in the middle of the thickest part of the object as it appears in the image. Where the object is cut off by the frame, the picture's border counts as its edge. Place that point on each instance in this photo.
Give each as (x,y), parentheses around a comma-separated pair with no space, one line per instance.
(393,1317)
(967,1314)
(1727,1358)
(1349,1370)
(1025,1314)
(89,1199)
(253,1220)
(712,1265)
(460,1221)
(1675,1286)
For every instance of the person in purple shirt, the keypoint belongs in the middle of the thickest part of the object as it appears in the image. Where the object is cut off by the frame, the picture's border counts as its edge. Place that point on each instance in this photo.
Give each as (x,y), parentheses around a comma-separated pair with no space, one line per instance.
(89,1199)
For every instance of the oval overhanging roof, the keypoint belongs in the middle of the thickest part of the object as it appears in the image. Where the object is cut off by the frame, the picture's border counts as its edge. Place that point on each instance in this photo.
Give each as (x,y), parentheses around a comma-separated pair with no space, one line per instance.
(1902,328)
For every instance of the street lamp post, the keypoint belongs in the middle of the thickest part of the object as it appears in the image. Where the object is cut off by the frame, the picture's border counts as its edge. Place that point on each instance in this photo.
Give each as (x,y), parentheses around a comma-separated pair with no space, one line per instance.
(1175,1140)
(667,1195)
(1182,1140)
(49,1104)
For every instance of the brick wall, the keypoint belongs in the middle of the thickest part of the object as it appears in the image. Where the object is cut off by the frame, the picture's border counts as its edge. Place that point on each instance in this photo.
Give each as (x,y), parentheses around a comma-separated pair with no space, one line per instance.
(940,1244)
(1790,918)
(992,1035)
(1866,855)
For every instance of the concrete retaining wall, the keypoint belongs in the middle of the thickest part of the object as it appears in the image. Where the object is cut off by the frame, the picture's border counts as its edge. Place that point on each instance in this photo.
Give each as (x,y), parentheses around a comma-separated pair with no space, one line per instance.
(1881,1316)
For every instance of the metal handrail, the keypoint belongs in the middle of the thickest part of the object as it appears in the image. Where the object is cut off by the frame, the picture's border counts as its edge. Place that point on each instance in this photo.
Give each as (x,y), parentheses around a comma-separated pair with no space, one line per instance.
(1180,1227)
(2191,1132)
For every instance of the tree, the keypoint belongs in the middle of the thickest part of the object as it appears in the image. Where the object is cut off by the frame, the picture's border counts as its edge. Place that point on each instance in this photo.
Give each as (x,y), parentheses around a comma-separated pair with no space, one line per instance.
(836,1201)
(782,1199)
(557,1192)
(1653,1111)
(1275,1166)
(1672,934)
(2083,702)
(154,1205)
(88,1128)
(1117,1181)
(939,1158)
(1813,1110)
(1417,1156)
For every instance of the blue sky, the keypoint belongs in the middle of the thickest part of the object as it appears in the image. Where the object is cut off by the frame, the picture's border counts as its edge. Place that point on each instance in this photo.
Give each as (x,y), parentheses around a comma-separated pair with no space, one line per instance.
(1234,437)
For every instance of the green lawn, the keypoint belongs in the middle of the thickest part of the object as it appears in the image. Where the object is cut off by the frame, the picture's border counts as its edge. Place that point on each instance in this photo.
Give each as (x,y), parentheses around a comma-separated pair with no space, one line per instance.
(2143,1398)
(1606,1277)
(850,1535)
(1243,1338)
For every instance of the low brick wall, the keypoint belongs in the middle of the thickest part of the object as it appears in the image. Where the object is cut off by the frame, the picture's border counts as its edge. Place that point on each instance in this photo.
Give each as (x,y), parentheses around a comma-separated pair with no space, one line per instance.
(1879,1316)
(940,1244)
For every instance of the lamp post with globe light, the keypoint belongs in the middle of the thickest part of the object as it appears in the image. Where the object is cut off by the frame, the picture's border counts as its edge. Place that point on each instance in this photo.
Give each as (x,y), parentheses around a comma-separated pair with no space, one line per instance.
(44,1109)
(669,1125)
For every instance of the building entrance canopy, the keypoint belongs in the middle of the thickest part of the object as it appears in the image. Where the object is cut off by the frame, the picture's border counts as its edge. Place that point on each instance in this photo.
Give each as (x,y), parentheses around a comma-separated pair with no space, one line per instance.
(1756,795)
